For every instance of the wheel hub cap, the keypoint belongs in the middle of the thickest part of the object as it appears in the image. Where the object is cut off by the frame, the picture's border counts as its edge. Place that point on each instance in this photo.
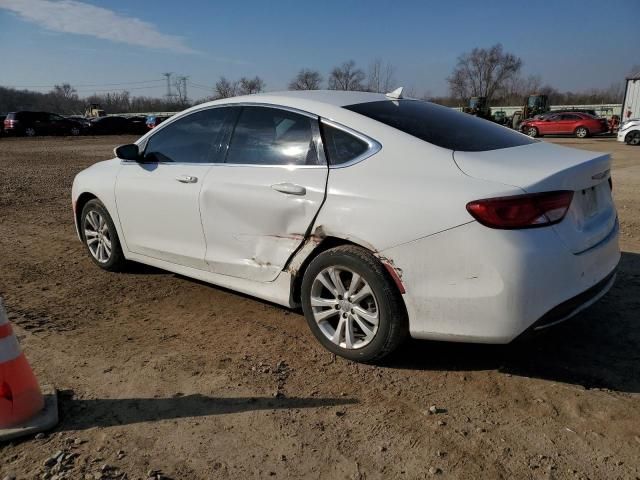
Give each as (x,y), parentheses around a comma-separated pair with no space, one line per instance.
(344,307)
(96,234)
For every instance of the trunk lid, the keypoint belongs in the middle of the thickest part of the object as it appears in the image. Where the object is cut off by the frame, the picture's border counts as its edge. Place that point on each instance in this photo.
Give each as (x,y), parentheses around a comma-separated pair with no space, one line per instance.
(544,167)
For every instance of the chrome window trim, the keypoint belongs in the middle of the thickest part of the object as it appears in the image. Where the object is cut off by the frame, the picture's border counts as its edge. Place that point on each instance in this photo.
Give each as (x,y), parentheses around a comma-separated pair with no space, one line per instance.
(317,138)
(373,146)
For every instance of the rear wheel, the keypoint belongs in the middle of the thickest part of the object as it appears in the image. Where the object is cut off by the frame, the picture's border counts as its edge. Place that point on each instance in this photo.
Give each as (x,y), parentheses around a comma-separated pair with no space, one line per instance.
(352,306)
(100,237)
(632,138)
(581,132)
(30,132)
(532,131)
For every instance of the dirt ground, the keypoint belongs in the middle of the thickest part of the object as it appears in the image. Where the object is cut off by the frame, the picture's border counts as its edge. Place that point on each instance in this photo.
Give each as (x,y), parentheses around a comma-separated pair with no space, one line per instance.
(159,372)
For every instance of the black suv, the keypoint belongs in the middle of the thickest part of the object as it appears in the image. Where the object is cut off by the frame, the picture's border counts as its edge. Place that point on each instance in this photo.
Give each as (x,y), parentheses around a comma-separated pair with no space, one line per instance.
(40,123)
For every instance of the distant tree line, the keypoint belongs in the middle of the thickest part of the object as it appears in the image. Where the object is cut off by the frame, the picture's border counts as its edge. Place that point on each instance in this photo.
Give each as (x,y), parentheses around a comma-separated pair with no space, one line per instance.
(64,99)
(490,72)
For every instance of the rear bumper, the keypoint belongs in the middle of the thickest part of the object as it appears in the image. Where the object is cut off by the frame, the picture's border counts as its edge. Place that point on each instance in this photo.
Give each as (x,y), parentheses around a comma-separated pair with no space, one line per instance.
(573,306)
(475,284)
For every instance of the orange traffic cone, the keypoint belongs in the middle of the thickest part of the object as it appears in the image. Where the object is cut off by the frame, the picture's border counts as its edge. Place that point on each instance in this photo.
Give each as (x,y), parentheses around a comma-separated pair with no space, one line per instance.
(23,408)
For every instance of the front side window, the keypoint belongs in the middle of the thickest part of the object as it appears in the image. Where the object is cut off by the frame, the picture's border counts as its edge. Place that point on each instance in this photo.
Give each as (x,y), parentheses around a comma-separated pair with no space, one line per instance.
(189,139)
(271,136)
(441,126)
(341,146)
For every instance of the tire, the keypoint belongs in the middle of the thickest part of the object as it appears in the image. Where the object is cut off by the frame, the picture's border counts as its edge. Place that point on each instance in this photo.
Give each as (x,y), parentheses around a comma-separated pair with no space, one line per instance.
(75,131)
(30,132)
(367,341)
(532,132)
(581,132)
(632,138)
(96,219)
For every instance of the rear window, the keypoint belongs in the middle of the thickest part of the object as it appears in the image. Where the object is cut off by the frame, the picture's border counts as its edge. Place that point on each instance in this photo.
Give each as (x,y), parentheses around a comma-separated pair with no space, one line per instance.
(341,147)
(441,126)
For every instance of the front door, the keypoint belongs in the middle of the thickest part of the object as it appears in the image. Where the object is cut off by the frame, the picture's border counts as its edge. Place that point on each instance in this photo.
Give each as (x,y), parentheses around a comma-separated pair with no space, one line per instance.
(158,198)
(258,205)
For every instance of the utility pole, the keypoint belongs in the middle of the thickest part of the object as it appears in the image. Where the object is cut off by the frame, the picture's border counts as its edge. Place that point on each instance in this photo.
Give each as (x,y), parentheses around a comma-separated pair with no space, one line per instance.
(168,77)
(184,88)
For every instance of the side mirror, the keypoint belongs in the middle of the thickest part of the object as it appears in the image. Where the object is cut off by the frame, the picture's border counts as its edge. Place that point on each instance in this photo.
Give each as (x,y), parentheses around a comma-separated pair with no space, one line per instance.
(128,152)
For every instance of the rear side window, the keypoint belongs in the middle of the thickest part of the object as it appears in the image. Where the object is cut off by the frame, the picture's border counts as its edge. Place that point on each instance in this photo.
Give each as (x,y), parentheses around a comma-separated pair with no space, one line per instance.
(441,126)
(272,136)
(189,139)
(341,146)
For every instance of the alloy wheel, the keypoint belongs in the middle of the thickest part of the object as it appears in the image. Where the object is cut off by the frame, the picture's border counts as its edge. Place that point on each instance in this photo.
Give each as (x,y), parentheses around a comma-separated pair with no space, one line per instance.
(344,307)
(30,132)
(532,132)
(634,138)
(581,132)
(97,236)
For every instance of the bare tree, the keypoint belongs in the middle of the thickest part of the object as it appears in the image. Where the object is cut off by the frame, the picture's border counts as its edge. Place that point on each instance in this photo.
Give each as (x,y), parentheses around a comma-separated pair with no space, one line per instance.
(65,91)
(483,72)
(516,88)
(346,77)
(306,79)
(381,76)
(225,89)
(248,86)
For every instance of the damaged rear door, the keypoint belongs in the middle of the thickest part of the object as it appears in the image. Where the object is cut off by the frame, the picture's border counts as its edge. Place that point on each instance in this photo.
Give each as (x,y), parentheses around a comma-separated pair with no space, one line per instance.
(258,205)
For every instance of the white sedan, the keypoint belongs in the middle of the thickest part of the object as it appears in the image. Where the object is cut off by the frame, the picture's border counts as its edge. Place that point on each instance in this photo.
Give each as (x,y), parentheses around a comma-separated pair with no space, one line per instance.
(381,216)
(629,132)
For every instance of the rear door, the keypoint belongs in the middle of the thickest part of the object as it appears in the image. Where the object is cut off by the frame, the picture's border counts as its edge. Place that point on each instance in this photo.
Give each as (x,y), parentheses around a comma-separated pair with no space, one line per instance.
(569,122)
(158,200)
(258,205)
(57,124)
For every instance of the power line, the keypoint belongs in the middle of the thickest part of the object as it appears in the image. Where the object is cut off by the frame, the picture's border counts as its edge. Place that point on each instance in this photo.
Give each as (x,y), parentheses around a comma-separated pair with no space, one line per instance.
(193,85)
(87,84)
(117,89)
(201,86)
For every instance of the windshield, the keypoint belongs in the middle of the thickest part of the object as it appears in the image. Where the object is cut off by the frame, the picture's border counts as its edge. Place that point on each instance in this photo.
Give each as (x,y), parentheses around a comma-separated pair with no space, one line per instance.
(441,126)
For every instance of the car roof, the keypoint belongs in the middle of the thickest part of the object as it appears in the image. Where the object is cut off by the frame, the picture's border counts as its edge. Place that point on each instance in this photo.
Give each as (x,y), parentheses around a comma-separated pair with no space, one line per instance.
(319,102)
(323,103)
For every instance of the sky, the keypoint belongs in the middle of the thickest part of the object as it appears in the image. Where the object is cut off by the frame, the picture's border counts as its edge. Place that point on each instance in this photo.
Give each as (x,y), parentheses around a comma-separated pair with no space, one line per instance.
(100,46)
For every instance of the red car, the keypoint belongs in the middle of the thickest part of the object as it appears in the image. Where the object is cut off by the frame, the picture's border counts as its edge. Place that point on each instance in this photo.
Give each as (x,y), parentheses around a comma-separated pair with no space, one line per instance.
(565,123)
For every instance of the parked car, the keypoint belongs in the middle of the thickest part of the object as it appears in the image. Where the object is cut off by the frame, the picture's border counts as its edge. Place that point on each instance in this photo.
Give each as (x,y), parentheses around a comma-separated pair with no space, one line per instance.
(80,119)
(138,124)
(111,125)
(155,120)
(40,123)
(382,217)
(2,117)
(629,132)
(581,125)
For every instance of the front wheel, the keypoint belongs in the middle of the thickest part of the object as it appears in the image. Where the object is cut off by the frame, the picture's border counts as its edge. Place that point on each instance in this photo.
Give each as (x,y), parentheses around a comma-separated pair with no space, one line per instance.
(581,132)
(100,237)
(352,306)
(75,131)
(532,131)
(632,138)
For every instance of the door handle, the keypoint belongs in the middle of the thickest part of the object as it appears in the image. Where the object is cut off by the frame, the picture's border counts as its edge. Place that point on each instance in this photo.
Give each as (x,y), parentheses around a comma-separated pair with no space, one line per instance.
(186,179)
(289,188)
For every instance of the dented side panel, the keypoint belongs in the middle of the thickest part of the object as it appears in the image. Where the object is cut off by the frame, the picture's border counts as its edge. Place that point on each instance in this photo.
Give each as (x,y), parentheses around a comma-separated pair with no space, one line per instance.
(251,229)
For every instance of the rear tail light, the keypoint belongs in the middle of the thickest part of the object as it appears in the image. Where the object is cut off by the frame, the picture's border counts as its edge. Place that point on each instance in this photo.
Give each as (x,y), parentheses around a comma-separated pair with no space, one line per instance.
(522,211)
